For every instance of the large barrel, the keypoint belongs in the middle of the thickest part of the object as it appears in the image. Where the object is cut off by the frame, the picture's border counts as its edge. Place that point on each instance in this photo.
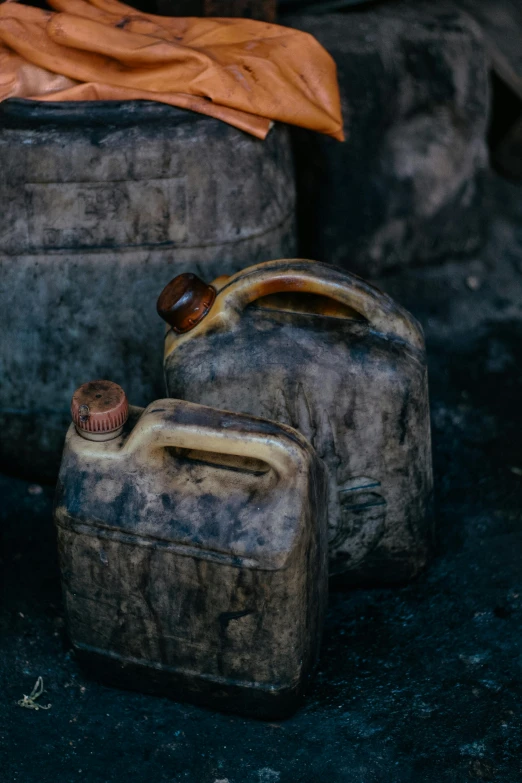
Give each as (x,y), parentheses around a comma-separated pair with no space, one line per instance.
(100,205)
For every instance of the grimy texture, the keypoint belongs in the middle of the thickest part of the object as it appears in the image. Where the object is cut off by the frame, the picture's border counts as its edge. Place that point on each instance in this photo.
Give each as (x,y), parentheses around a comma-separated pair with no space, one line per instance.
(407,186)
(193,551)
(355,387)
(94,220)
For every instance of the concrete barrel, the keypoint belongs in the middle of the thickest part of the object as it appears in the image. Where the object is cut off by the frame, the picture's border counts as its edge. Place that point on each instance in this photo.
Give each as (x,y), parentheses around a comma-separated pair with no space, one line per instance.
(100,206)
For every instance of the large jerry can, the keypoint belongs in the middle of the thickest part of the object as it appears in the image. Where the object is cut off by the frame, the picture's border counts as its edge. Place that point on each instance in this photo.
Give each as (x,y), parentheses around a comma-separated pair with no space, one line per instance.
(100,205)
(321,350)
(193,551)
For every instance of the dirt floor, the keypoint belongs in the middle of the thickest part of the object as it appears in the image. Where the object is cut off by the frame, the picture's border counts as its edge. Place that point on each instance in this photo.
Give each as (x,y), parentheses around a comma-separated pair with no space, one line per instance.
(420,684)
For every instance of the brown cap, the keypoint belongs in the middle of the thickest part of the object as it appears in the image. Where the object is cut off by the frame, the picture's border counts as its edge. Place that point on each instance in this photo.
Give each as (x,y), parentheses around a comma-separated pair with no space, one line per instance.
(185,301)
(99,410)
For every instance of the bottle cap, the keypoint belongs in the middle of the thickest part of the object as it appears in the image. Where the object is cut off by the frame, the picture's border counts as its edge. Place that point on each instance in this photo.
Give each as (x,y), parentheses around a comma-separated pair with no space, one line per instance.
(99,409)
(185,301)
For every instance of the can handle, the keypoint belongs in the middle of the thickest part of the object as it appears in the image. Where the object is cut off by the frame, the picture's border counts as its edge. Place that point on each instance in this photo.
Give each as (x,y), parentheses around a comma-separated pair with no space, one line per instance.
(314,277)
(171,423)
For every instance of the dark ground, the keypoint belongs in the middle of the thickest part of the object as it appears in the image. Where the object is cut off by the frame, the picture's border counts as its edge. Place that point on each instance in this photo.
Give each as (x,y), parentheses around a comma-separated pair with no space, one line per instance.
(421,684)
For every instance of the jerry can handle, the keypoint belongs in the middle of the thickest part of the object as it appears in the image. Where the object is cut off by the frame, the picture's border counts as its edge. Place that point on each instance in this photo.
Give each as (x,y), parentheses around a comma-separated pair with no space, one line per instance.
(171,423)
(314,277)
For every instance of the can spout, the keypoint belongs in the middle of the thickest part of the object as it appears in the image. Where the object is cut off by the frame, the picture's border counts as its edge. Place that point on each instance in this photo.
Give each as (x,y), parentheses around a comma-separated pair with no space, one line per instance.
(99,409)
(185,301)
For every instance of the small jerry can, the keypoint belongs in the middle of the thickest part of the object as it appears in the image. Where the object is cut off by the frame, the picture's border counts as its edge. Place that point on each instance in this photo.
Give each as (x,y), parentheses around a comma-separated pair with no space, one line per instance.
(312,346)
(193,550)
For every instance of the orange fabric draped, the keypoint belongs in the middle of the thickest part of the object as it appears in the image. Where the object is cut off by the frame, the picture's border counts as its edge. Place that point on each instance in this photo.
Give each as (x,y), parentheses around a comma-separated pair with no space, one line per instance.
(244,72)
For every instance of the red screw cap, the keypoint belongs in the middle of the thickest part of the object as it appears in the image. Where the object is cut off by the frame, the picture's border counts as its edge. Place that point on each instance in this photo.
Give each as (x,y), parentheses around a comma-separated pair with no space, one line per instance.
(99,409)
(185,301)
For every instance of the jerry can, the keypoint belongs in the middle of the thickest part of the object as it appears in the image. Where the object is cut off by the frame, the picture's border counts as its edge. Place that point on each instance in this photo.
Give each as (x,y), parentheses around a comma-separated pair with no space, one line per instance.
(193,551)
(319,349)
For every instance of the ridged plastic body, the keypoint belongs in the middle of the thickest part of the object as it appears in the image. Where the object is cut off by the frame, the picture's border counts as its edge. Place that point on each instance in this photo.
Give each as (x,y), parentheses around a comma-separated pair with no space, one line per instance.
(101,204)
(316,348)
(193,551)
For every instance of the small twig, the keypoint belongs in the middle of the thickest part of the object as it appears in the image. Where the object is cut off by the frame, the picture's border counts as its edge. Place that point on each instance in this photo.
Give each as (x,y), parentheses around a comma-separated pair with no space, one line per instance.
(30,701)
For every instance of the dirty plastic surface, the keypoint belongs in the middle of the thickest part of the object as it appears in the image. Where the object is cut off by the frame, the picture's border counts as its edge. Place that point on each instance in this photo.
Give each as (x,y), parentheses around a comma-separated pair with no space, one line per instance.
(193,554)
(348,370)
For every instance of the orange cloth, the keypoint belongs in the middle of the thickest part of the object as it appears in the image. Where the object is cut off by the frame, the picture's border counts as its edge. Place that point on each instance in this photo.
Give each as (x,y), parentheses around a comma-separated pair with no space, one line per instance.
(243,72)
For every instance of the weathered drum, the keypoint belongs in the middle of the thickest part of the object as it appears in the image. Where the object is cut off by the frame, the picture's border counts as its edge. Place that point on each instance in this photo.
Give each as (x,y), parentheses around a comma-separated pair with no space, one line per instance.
(100,205)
